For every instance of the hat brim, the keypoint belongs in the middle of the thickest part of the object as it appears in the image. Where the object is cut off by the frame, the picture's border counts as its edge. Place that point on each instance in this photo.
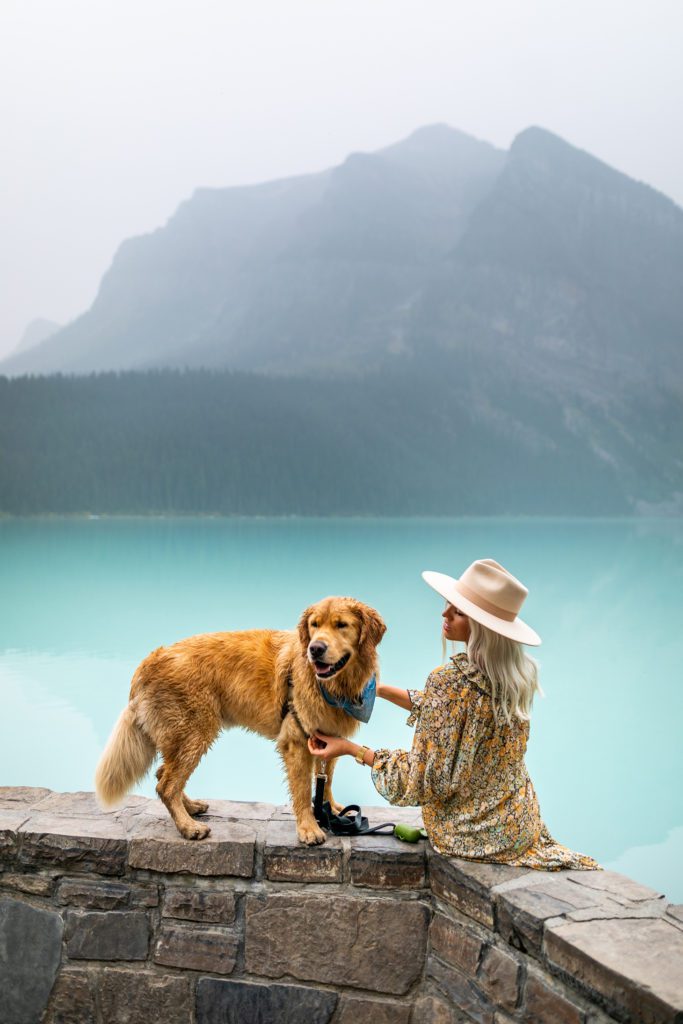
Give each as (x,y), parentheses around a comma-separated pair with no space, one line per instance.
(447,587)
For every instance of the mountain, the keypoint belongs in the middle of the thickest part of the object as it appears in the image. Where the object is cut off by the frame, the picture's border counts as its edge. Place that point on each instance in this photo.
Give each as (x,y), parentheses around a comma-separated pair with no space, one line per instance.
(36,331)
(316,272)
(440,324)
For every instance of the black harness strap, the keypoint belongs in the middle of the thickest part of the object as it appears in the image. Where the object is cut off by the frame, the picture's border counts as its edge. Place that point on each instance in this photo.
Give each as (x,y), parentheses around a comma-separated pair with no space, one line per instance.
(289,709)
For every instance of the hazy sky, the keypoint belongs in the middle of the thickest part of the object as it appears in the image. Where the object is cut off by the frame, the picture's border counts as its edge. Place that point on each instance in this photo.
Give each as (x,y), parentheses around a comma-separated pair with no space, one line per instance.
(113,111)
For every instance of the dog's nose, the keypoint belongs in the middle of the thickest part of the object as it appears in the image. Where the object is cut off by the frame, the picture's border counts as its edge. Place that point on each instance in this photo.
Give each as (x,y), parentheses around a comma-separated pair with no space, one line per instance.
(317,649)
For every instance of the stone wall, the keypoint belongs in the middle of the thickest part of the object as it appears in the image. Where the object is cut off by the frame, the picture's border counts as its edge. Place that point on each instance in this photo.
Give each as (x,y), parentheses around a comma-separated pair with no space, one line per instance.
(112,918)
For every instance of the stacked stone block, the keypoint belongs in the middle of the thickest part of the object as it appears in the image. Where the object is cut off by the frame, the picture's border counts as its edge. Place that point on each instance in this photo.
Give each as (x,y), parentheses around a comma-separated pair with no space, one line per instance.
(112,917)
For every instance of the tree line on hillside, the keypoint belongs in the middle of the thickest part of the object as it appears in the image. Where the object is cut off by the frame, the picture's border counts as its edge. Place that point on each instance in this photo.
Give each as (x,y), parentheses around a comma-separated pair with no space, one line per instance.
(201,442)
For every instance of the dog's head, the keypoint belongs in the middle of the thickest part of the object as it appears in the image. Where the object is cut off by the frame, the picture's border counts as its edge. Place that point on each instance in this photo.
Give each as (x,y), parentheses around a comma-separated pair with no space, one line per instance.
(338,631)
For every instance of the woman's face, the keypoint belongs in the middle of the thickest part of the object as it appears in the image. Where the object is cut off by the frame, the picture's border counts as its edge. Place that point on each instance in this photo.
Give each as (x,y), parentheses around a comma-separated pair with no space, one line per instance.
(456,626)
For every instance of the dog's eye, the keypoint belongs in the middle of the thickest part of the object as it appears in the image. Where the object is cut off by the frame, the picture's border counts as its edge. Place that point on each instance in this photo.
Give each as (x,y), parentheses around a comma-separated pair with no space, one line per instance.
(341,625)
(314,625)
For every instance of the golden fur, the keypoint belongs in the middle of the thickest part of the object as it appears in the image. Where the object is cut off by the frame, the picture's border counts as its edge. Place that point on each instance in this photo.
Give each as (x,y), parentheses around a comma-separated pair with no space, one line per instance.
(183,695)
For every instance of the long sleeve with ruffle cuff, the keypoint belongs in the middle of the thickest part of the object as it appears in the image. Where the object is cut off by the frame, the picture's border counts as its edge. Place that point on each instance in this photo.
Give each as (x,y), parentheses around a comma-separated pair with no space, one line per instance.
(393,777)
(416,706)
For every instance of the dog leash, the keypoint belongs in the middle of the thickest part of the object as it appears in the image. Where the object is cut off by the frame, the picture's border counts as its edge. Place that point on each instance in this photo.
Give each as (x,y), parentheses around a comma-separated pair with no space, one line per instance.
(349,822)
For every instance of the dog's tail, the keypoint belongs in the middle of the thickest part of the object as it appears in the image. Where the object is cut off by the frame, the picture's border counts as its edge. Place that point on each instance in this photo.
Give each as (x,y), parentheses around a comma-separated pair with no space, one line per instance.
(127,756)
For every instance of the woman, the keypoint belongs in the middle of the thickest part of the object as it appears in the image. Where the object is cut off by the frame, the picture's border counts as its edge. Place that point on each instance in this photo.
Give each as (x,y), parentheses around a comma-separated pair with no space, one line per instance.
(466,767)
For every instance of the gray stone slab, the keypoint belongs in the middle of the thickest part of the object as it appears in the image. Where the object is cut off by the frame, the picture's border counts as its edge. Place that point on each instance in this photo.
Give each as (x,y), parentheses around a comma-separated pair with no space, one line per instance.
(229,850)
(82,804)
(30,951)
(94,895)
(627,962)
(469,886)
(384,862)
(498,977)
(380,942)
(288,860)
(211,907)
(543,1002)
(455,944)
(523,906)
(196,948)
(618,887)
(11,820)
(32,885)
(112,935)
(11,796)
(72,1000)
(407,815)
(99,845)
(461,991)
(236,1002)
(139,997)
(434,1009)
(357,1009)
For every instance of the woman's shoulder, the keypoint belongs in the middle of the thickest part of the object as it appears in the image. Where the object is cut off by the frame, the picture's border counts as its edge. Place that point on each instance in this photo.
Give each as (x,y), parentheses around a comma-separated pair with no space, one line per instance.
(458,670)
(469,673)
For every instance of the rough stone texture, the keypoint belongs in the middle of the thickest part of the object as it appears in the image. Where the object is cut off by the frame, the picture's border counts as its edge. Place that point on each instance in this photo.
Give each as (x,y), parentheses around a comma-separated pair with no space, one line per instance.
(461,991)
(30,950)
(287,860)
(468,886)
(383,939)
(199,905)
(498,977)
(542,1003)
(582,945)
(229,850)
(99,845)
(13,796)
(456,944)
(357,1010)
(628,962)
(525,904)
(435,1010)
(618,887)
(114,935)
(236,1002)
(137,997)
(198,949)
(383,862)
(33,885)
(94,895)
(72,1000)
(11,820)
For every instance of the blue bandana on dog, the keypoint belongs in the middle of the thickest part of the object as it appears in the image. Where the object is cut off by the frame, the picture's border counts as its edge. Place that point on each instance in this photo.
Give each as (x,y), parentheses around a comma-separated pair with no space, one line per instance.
(360,708)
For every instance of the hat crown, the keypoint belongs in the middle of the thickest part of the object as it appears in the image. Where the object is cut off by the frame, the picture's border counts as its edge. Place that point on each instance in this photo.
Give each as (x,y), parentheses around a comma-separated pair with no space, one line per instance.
(488,580)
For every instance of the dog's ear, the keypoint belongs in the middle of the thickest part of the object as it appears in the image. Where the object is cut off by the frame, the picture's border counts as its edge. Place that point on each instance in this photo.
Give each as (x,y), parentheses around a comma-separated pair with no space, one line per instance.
(304,633)
(373,627)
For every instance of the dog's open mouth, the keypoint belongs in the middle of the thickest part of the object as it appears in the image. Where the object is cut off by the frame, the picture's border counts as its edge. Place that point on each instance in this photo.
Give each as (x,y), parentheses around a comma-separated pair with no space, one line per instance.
(325,671)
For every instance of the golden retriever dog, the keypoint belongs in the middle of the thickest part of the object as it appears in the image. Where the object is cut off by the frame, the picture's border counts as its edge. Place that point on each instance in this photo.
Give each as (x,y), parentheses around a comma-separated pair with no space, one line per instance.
(268,681)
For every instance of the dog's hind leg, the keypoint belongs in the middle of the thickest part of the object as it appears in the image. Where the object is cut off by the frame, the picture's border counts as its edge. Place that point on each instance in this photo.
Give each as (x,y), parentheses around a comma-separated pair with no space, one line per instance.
(194,806)
(178,764)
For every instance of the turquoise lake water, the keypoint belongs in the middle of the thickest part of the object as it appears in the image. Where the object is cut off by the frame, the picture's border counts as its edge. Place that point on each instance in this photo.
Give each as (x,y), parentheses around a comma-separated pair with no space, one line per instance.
(82,601)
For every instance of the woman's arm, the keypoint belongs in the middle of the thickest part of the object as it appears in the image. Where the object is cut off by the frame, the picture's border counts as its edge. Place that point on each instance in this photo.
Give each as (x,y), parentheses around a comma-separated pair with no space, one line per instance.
(326,747)
(396,695)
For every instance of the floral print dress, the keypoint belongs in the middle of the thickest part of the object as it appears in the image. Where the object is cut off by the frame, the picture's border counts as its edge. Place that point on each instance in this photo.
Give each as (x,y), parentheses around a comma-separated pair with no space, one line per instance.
(467,772)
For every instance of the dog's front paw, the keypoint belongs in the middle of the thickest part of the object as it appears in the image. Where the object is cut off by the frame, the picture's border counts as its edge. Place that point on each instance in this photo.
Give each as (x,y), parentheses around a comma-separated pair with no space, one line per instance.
(195,831)
(311,835)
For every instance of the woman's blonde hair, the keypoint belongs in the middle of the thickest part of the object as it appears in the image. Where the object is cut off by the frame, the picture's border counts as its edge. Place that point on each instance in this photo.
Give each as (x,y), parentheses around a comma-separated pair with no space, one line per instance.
(513,673)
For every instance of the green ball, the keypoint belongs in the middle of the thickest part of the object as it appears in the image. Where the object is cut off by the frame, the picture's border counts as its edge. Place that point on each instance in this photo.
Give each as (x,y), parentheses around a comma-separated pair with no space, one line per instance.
(407,833)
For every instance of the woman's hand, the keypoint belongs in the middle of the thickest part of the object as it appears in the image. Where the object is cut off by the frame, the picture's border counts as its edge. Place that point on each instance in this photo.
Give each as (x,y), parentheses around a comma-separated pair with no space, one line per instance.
(326,747)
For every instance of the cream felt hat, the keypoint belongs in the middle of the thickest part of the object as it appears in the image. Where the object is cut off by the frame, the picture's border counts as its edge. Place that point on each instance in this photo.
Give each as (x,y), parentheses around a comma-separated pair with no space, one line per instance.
(489,594)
